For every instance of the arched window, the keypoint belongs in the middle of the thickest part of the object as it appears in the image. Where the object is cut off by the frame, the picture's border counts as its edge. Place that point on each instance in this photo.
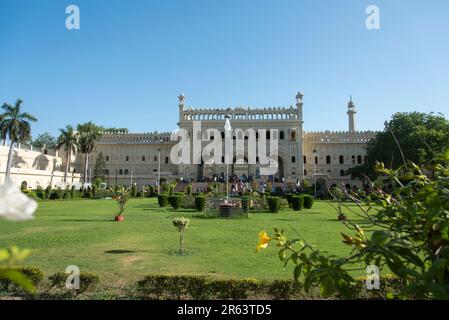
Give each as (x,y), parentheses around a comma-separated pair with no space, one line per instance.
(222,135)
(166,160)
(107,158)
(293,135)
(342,173)
(268,134)
(359,159)
(127,158)
(353,159)
(316,160)
(305,172)
(120,172)
(126,172)
(341,159)
(305,159)
(281,135)
(328,159)
(143,158)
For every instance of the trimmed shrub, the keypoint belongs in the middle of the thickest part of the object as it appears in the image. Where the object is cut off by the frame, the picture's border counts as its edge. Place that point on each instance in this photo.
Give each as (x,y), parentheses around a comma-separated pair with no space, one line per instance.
(274,204)
(88,282)
(200,203)
(288,197)
(162,199)
(48,192)
(176,201)
(282,289)
(73,192)
(34,274)
(245,204)
(174,287)
(308,201)
(31,194)
(297,202)
(40,193)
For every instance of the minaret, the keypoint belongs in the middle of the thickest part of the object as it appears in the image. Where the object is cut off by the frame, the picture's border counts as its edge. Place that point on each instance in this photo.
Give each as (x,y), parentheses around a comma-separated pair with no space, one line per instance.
(299,134)
(181,99)
(351,115)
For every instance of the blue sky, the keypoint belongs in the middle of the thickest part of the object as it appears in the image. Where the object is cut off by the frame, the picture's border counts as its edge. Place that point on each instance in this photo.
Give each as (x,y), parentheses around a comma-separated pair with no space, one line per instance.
(130,60)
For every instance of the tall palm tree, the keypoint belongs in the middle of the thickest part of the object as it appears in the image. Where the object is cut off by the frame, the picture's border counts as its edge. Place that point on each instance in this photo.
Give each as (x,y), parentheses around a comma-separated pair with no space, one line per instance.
(15,125)
(68,139)
(89,134)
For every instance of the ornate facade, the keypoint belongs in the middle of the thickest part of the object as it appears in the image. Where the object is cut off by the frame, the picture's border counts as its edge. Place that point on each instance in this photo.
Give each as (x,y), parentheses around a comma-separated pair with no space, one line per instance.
(141,157)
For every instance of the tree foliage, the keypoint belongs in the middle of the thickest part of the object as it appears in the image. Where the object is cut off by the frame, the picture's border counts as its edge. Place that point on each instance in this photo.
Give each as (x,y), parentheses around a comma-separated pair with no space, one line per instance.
(421,137)
(44,140)
(408,233)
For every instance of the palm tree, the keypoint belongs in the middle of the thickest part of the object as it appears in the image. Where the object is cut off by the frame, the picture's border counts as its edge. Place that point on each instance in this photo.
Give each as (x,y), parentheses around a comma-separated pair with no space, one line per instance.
(89,133)
(15,125)
(69,140)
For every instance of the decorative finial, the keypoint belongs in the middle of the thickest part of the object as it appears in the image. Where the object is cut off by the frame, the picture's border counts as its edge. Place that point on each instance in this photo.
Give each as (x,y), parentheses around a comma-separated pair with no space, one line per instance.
(351,104)
(181,98)
(299,96)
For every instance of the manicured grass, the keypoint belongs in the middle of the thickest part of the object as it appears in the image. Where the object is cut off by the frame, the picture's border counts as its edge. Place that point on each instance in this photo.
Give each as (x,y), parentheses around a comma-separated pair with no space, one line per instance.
(83,233)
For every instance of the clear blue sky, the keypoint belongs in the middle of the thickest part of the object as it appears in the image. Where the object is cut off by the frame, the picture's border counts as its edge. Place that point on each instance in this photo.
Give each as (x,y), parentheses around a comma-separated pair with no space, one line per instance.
(129,61)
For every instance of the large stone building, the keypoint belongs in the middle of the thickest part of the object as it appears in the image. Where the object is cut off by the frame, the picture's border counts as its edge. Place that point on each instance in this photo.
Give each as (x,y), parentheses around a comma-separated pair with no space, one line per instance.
(137,157)
(142,157)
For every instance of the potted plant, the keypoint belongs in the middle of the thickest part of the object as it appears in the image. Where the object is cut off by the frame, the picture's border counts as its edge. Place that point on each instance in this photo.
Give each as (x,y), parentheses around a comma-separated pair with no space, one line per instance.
(122,198)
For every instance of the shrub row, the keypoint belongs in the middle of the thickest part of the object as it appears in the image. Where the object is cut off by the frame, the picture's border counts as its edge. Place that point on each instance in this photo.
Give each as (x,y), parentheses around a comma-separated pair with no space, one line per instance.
(297,202)
(88,281)
(176,287)
(274,204)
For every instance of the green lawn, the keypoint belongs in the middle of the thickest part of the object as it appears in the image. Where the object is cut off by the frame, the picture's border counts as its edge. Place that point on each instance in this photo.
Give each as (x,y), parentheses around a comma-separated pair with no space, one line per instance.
(83,233)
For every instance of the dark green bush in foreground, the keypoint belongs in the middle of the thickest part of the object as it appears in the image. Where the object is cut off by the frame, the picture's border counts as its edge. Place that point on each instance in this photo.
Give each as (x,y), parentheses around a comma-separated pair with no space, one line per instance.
(274,204)
(297,202)
(176,201)
(308,201)
(200,203)
(162,199)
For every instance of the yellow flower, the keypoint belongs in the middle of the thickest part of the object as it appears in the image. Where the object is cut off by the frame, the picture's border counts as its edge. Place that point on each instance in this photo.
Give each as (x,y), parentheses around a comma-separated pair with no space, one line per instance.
(264,239)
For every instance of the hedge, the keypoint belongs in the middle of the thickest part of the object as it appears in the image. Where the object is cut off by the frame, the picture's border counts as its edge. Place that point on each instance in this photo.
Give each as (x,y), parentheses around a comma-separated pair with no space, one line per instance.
(200,203)
(297,202)
(162,199)
(176,201)
(87,281)
(274,204)
(308,201)
(197,287)
(32,273)
(176,287)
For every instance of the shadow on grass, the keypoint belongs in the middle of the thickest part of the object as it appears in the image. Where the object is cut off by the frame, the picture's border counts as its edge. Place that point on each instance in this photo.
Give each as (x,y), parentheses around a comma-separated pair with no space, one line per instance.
(86,220)
(120,251)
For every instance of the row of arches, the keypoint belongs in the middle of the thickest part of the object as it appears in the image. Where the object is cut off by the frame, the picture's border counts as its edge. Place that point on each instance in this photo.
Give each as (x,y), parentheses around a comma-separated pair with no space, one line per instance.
(241,116)
(341,159)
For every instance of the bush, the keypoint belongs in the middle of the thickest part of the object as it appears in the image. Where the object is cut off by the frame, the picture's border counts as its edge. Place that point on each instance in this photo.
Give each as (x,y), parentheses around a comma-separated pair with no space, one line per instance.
(48,192)
(176,201)
(282,289)
(235,289)
(288,197)
(200,203)
(245,204)
(196,287)
(73,192)
(274,204)
(308,201)
(30,194)
(57,194)
(88,282)
(174,287)
(297,202)
(34,274)
(40,193)
(162,199)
